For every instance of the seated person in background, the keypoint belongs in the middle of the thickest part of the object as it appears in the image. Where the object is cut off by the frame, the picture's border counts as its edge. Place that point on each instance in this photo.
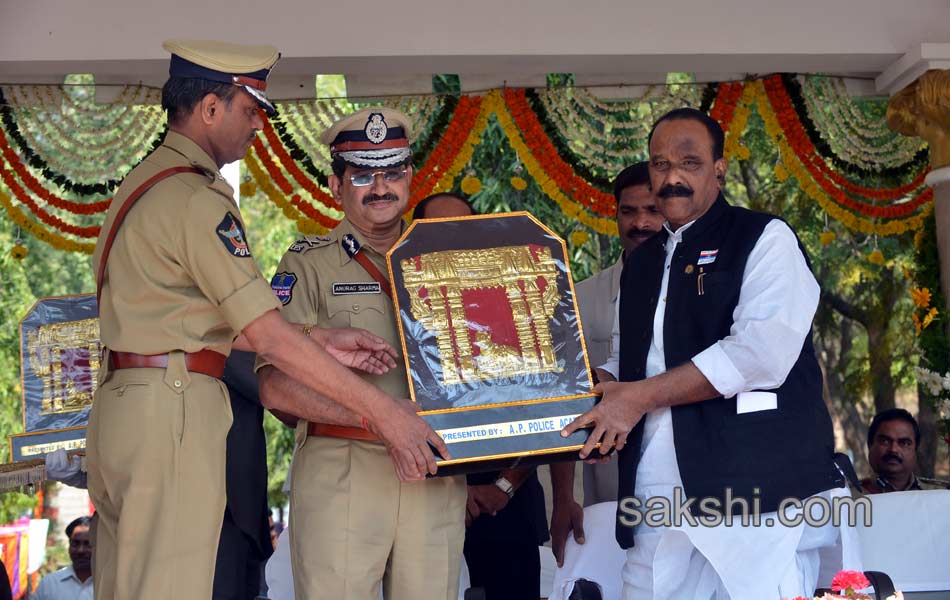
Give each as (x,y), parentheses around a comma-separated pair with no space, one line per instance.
(893,438)
(75,581)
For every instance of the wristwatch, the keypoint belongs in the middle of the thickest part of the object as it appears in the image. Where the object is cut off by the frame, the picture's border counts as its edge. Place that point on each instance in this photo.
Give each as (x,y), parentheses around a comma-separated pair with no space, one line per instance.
(504,485)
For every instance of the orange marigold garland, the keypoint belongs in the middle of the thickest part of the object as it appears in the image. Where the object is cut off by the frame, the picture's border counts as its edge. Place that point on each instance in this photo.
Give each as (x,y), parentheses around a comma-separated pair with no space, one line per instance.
(450,144)
(41,214)
(288,189)
(77,208)
(798,139)
(290,165)
(724,106)
(546,154)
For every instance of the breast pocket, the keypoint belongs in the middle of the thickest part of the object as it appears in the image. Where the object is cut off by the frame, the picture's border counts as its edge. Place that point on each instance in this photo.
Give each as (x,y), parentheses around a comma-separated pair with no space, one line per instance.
(365,311)
(716,283)
(716,289)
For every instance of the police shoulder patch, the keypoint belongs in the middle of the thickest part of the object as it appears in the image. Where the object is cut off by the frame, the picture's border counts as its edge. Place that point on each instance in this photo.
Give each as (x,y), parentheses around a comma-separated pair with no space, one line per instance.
(309,242)
(283,285)
(232,236)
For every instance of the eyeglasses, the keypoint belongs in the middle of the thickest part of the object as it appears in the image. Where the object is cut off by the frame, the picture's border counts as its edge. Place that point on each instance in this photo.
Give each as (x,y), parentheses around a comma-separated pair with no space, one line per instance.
(366,178)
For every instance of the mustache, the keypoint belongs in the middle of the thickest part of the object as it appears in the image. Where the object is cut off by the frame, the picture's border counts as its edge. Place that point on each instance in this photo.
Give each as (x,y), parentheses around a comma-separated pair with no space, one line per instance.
(672,191)
(387,197)
(636,233)
(891,455)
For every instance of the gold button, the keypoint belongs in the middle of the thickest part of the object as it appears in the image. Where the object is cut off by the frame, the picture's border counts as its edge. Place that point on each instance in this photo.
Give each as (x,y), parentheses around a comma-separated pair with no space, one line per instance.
(178,383)
(689,269)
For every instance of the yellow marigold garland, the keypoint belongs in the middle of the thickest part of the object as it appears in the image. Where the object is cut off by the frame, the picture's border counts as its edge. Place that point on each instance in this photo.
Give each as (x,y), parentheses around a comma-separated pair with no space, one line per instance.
(493,102)
(464,156)
(19,251)
(795,168)
(579,237)
(41,233)
(306,225)
(471,185)
(733,147)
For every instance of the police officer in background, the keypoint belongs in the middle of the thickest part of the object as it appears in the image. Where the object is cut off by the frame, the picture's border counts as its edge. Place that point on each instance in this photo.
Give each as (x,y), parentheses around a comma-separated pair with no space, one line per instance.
(893,437)
(177,285)
(355,528)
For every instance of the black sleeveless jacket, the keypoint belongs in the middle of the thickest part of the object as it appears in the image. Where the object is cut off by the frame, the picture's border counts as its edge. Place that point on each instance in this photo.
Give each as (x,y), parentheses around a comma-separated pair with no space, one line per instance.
(787,452)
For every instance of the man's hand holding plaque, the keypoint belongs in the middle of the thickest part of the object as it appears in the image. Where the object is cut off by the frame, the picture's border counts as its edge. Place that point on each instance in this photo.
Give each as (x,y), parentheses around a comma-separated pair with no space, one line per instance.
(410,441)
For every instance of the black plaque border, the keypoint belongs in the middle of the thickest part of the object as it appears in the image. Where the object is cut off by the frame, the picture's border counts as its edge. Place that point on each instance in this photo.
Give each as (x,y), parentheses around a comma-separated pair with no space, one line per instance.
(519,457)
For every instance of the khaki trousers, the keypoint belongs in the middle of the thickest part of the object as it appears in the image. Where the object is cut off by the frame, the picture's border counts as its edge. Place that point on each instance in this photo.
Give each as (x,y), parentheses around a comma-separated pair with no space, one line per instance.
(354,527)
(156,461)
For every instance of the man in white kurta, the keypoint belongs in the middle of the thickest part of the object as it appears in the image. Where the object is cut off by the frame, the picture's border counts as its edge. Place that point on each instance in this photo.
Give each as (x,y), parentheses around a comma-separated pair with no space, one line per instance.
(771,320)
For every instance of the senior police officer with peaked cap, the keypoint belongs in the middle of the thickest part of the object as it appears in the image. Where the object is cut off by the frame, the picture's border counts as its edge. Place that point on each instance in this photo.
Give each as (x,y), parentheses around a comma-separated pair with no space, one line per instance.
(177,284)
(355,527)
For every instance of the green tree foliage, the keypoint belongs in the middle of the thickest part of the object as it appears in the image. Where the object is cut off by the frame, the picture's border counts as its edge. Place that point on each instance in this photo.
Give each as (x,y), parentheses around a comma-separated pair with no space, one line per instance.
(863,331)
(44,272)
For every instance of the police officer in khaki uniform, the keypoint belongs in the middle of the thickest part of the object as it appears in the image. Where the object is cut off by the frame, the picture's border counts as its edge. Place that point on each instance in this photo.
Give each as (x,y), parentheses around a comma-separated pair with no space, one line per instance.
(893,438)
(177,284)
(354,526)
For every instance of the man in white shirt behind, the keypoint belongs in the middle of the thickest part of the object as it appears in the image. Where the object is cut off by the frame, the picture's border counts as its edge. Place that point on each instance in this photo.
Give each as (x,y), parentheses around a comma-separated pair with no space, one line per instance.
(75,581)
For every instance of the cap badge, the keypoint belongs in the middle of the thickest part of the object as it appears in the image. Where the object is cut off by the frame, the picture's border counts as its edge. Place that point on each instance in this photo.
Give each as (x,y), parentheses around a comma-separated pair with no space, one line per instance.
(376,128)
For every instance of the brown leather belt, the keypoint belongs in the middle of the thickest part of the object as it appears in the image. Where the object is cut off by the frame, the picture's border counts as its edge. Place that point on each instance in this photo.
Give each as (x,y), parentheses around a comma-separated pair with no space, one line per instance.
(207,362)
(340,431)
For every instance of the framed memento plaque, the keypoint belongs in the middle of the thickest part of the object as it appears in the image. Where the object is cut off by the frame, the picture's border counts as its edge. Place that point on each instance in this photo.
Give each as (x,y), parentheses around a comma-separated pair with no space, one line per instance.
(59,364)
(492,338)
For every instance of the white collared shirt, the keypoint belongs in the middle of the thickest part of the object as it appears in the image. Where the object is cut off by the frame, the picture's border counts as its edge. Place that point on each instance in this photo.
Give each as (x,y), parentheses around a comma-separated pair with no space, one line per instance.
(777,302)
(64,585)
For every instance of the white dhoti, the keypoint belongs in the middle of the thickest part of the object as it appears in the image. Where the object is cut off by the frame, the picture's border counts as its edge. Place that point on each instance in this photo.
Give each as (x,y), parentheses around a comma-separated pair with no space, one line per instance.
(728,563)
(734,562)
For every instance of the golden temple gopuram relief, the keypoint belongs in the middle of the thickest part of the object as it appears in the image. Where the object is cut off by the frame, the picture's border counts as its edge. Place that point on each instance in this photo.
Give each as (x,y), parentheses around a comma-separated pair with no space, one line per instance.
(65,357)
(526,276)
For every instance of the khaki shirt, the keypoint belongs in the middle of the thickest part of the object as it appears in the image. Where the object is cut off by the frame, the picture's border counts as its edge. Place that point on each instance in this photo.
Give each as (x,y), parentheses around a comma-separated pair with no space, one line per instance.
(597,301)
(319,284)
(879,485)
(180,275)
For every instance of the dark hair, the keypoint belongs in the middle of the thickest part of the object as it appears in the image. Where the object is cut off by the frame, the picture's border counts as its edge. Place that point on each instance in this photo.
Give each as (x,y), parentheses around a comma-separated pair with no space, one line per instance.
(712,126)
(893,414)
(78,522)
(180,95)
(636,174)
(338,165)
(420,210)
